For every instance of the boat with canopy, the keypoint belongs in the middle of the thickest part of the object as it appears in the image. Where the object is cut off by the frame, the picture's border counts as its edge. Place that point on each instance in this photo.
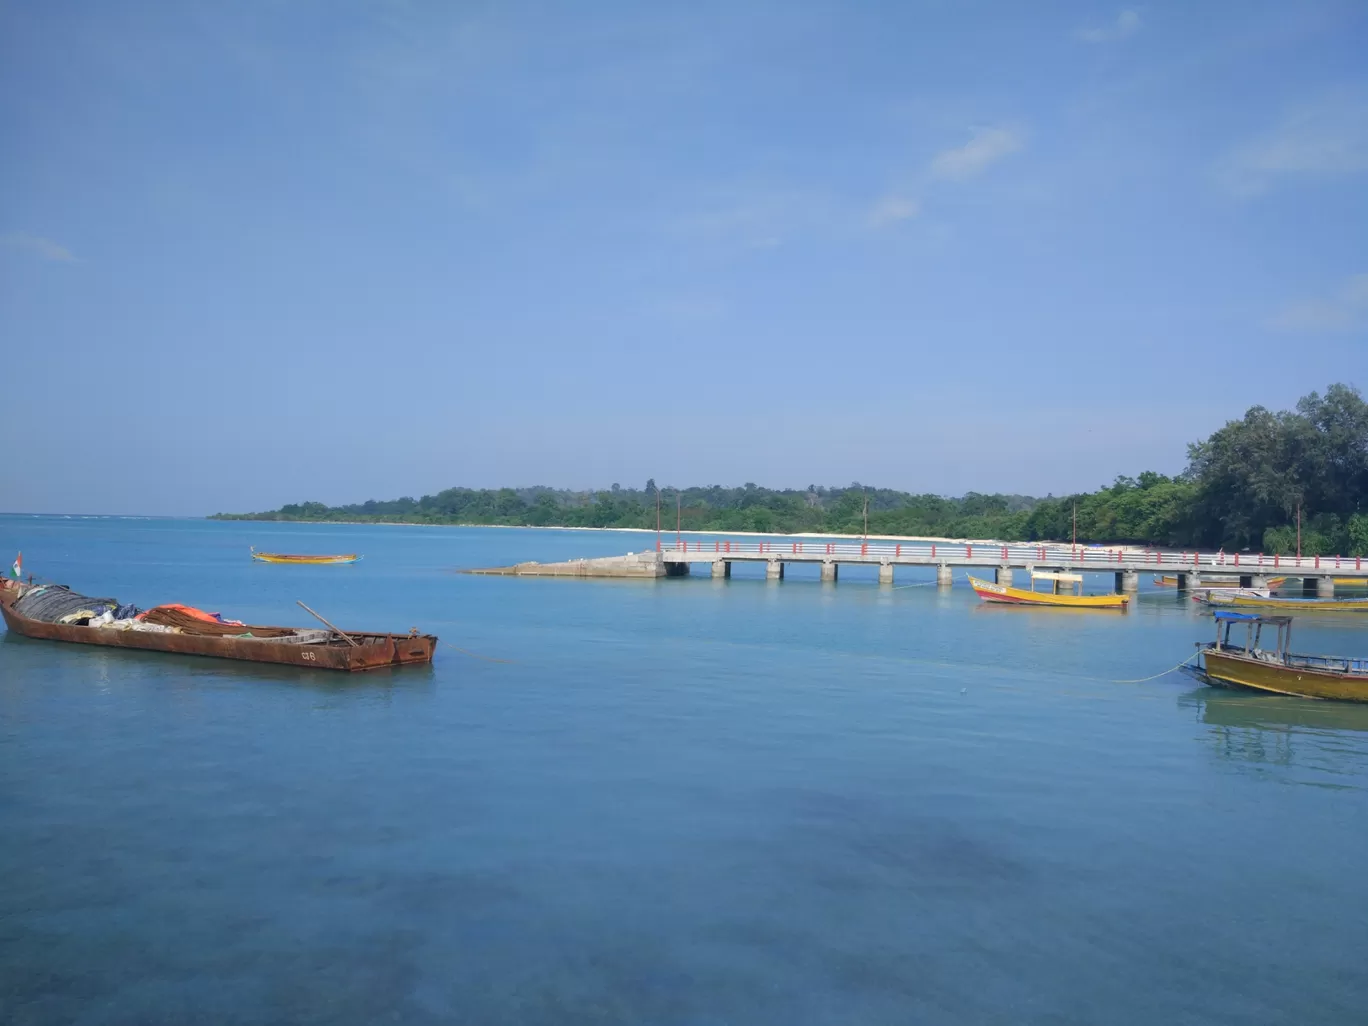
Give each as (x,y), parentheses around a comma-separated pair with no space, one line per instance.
(1066,590)
(1231,664)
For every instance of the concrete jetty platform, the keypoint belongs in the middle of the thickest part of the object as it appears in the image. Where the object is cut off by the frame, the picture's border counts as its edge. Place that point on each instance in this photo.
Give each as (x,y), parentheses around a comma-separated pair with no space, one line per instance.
(634,564)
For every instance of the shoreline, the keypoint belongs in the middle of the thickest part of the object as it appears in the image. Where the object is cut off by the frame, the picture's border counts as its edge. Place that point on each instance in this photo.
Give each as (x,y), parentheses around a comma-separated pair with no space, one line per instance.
(664,533)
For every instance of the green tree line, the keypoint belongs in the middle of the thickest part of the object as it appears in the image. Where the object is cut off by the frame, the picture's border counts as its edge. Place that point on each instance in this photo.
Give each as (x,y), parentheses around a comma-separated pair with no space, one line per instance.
(1242,489)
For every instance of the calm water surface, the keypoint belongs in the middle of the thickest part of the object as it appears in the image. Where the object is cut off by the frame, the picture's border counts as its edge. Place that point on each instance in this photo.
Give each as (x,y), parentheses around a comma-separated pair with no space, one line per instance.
(682,801)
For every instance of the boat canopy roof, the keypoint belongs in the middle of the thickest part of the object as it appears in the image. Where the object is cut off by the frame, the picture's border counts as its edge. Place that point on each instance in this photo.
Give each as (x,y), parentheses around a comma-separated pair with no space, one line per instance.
(1047,575)
(1230,614)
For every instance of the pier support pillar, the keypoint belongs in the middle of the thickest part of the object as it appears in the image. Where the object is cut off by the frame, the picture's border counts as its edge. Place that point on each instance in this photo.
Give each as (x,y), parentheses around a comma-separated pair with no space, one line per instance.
(1253,581)
(1325,587)
(1127,581)
(1186,582)
(676,569)
(828,570)
(885,573)
(1004,576)
(774,570)
(721,568)
(944,576)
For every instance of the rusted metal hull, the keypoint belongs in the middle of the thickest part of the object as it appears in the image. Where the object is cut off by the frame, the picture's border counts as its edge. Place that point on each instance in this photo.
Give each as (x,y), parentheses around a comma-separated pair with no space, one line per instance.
(371,651)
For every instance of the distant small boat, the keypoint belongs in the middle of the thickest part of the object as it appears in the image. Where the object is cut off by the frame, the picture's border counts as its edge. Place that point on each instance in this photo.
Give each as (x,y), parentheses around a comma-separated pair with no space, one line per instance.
(1304,605)
(1171,581)
(1278,671)
(284,557)
(1057,596)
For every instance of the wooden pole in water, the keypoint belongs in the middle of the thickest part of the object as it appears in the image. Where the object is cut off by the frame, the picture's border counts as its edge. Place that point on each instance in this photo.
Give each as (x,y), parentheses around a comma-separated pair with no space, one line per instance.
(345,637)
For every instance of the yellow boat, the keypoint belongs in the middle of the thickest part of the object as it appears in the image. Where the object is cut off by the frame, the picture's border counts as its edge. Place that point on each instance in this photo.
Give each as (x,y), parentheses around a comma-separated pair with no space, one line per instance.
(1302,605)
(1278,671)
(1057,596)
(284,557)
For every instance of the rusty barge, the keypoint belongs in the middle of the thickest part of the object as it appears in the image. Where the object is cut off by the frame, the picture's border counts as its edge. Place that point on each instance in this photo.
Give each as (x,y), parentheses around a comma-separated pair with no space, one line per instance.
(181,632)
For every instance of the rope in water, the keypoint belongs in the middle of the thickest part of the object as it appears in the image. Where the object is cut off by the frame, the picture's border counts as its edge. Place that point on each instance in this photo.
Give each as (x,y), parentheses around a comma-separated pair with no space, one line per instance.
(1141,680)
(920,584)
(475,655)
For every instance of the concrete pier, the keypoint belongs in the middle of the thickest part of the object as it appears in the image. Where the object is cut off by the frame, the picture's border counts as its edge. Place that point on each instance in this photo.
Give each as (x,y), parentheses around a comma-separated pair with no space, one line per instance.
(829,570)
(721,568)
(885,573)
(634,564)
(1004,576)
(1127,581)
(1186,582)
(1253,581)
(944,576)
(774,570)
(1324,587)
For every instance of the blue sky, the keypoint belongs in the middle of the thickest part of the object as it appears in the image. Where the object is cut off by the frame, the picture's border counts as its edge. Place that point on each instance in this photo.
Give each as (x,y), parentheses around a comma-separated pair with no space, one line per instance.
(273,251)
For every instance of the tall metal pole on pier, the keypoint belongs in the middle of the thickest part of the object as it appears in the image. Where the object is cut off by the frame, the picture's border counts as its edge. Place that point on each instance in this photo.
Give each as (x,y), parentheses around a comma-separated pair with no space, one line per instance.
(679,516)
(657,518)
(1299,530)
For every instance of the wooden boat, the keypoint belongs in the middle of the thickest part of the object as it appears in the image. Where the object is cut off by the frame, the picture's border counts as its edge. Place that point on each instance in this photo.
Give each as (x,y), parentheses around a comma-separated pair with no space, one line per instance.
(285,557)
(1240,600)
(1057,596)
(314,649)
(1278,670)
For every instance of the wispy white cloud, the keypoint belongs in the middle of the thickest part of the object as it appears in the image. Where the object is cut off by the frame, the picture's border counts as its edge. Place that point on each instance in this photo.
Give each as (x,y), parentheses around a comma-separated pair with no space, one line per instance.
(892,209)
(1127,23)
(37,246)
(1345,310)
(1322,140)
(987,147)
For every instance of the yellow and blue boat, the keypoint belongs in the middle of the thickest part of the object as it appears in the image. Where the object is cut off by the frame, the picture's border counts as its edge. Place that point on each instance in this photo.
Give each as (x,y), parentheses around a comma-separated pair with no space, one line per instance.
(1277,670)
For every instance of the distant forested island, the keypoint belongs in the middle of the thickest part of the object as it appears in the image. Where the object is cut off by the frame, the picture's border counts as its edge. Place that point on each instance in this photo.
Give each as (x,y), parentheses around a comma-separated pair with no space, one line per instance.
(1242,489)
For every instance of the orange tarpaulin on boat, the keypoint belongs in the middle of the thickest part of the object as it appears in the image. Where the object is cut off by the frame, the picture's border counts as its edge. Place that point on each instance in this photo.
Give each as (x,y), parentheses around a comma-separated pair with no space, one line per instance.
(191,611)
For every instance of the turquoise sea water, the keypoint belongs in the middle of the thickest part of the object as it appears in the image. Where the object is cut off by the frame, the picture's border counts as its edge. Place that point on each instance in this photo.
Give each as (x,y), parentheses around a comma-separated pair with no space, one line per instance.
(678,802)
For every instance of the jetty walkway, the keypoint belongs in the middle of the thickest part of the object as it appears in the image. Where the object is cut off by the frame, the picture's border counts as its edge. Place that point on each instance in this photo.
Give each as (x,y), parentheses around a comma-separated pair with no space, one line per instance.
(1248,570)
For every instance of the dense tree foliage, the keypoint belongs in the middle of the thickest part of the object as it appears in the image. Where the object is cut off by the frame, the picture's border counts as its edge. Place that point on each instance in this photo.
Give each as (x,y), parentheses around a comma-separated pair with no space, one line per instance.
(1242,489)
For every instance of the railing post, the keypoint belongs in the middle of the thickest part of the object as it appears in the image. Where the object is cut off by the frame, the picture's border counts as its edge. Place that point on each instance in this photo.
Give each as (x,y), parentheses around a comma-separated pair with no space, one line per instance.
(1277,559)
(1318,562)
(933,550)
(898,552)
(1237,559)
(968,552)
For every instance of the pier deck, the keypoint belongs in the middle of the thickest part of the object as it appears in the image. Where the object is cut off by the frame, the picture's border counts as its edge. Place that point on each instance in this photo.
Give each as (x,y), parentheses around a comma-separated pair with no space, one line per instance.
(1250,570)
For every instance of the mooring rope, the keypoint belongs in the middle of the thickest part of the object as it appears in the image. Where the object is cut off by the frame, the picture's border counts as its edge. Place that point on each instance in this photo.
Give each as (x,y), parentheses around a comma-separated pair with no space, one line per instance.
(1141,680)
